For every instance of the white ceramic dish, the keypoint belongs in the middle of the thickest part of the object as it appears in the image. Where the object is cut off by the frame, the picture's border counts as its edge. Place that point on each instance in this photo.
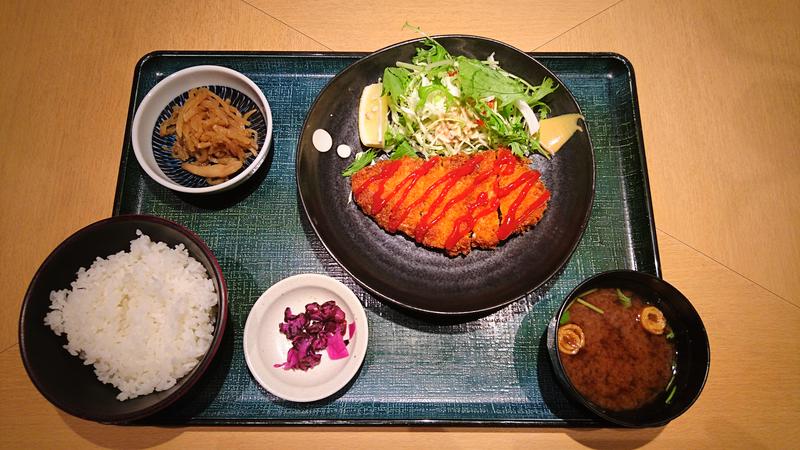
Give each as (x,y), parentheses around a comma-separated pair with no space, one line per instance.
(265,346)
(175,85)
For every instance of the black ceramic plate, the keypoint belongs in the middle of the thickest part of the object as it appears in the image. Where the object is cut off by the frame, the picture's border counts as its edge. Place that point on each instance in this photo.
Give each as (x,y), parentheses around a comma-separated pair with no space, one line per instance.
(62,378)
(394,267)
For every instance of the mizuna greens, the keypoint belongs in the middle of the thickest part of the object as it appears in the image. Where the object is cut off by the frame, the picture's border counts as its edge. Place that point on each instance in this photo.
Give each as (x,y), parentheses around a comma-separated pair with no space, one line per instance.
(440,104)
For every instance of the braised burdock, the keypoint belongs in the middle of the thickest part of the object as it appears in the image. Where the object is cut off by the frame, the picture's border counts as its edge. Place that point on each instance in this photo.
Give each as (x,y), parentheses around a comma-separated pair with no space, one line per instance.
(453,203)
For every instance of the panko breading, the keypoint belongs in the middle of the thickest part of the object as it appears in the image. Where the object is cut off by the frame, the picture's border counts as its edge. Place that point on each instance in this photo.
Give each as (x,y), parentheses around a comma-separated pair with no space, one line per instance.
(454,203)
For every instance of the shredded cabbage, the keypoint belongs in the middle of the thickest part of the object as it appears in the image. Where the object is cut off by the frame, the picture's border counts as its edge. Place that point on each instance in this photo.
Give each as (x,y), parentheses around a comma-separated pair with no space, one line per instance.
(445,105)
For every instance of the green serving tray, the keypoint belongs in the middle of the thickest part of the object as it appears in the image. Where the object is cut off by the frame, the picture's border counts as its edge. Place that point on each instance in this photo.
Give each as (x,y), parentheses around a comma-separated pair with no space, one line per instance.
(490,371)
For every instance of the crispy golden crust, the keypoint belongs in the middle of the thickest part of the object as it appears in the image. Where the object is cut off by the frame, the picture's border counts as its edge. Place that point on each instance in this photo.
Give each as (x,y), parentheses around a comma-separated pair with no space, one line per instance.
(452,203)
(530,197)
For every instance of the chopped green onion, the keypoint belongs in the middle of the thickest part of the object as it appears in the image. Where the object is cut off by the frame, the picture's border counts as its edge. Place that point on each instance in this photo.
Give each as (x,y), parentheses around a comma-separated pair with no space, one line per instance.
(624,299)
(671,393)
(669,385)
(587,292)
(671,334)
(589,305)
(564,318)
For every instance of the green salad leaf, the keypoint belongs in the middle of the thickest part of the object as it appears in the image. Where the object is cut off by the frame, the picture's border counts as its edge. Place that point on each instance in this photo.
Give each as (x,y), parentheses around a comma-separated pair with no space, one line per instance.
(479,81)
(361,161)
(404,149)
(445,105)
(395,82)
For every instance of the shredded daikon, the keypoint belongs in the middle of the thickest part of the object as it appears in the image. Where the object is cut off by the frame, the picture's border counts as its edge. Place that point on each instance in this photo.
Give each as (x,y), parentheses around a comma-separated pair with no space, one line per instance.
(213,138)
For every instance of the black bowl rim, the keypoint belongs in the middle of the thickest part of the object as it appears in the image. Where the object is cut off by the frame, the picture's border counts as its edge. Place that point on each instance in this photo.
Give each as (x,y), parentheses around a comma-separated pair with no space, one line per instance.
(567,384)
(430,312)
(222,316)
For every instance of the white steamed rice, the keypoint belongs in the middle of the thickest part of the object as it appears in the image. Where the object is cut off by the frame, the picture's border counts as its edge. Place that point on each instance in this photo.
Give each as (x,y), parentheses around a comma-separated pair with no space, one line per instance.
(143,318)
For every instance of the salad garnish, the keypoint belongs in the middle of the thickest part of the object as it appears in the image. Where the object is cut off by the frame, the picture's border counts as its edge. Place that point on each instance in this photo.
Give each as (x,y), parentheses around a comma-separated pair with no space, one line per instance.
(440,104)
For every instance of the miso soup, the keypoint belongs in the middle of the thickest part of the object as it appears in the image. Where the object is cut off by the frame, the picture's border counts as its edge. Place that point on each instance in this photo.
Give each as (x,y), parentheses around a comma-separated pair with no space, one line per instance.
(616,349)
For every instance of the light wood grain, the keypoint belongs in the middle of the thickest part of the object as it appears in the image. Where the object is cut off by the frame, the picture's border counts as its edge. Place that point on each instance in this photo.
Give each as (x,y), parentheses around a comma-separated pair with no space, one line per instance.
(365,25)
(725,74)
(719,91)
(65,86)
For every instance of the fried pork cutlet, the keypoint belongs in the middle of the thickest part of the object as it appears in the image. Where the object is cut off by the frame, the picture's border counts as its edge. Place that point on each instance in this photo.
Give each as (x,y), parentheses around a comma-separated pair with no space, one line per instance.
(453,203)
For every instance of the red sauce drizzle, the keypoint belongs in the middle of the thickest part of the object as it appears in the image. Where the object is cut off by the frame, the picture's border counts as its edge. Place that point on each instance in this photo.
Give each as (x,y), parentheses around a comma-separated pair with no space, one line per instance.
(480,178)
(504,164)
(454,175)
(505,161)
(408,182)
(533,206)
(511,221)
(451,178)
(464,224)
(525,178)
(386,172)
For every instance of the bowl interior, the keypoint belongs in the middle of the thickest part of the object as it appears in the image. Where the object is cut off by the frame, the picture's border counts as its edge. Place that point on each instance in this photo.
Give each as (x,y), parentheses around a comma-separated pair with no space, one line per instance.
(62,378)
(691,344)
(161,145)
(157,105)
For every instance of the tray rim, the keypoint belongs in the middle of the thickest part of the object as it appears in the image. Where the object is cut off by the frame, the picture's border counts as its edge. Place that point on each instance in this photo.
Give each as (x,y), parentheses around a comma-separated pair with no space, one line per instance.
(552,423)
(486,423)
(614,56)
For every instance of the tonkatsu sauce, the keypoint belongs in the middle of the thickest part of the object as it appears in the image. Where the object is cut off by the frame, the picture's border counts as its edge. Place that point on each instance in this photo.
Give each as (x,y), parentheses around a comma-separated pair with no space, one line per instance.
(486,202)
(408,182)
(450,179)
(386,172)
(464,224)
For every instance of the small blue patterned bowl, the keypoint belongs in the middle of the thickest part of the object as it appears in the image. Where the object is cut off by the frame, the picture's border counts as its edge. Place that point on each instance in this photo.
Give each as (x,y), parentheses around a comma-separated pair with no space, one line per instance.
(153,151)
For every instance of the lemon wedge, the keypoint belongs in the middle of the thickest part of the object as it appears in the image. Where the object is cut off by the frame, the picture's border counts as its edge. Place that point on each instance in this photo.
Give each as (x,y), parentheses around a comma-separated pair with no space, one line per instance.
(372,116)
(555,131)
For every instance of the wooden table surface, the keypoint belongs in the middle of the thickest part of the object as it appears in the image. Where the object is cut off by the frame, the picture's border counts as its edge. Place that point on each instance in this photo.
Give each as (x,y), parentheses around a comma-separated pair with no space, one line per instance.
(719,89)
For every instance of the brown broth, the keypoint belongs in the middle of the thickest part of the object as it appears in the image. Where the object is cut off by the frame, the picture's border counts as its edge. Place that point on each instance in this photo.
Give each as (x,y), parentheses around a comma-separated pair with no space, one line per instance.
(621,366)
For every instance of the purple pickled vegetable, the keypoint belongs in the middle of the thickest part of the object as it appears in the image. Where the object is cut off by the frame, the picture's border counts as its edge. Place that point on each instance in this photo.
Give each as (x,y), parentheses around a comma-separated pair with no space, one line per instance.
(315,327)
(320,327)
(319,342)
(292,324)
(331,327)
(336,347)
(313,312)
